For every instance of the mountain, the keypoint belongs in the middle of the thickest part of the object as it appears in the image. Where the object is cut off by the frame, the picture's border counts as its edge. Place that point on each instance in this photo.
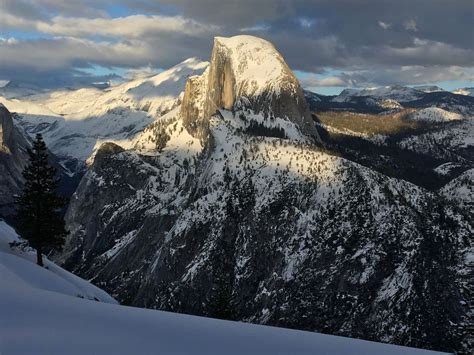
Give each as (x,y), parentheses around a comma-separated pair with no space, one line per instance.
(14,143)
(63,314)
(461,190)
(247,73)
(346,102)
(435,114)
(464,91)
(461,104)
(396,92)
(15,90)
(428,88)
(227,198)
(74,123)
(389,99)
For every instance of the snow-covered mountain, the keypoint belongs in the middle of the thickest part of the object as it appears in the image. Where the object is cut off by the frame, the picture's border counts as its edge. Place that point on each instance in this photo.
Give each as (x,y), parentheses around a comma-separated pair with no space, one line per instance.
(74,123)
(464,91)
(60,313)
(397,93)
(428,88)
(248,73)
(392,98)
(435,114)
(227,199)
(461,190)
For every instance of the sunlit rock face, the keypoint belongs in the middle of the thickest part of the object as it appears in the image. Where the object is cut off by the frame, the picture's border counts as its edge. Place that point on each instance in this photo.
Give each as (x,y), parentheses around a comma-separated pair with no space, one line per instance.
(262,225)
(247,72)
(6,130)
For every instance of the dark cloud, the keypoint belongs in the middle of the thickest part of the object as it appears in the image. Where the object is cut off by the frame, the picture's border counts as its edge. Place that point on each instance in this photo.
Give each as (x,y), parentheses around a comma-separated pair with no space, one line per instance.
(353,36)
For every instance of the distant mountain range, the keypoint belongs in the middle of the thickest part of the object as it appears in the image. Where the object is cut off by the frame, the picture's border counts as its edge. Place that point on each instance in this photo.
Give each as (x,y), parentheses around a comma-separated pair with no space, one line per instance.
(392,98)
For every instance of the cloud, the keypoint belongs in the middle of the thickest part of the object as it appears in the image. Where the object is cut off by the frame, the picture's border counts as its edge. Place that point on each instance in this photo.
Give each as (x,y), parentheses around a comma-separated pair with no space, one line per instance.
(410,25)
(426,52)
(311,81)
(356,37)
(306,22)
(140,73)
(256,28)
(384,25)
(406,75)
(136,26)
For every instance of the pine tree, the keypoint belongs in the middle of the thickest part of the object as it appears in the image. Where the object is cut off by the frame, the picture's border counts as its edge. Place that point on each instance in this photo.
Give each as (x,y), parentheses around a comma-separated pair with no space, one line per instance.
(38,215)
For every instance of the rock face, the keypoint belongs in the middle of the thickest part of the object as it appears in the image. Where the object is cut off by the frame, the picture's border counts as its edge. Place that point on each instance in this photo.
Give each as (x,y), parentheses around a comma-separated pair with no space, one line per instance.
(14,144)
(13,156)
(6,131)
(247,71)
(263,226)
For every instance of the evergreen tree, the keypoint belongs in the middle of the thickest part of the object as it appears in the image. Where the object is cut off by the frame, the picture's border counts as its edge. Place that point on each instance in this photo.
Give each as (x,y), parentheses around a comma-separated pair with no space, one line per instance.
(38,215)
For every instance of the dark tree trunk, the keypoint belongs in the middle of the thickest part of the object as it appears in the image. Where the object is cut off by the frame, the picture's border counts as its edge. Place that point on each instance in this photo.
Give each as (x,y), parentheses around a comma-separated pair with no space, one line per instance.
(39,256)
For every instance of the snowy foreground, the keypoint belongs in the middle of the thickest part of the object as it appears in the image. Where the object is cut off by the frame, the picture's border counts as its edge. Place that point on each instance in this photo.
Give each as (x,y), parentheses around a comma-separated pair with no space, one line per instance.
(50,311)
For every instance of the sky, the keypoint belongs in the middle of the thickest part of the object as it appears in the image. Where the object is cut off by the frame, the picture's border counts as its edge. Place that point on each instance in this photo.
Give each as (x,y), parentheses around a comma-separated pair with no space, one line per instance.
(330,44)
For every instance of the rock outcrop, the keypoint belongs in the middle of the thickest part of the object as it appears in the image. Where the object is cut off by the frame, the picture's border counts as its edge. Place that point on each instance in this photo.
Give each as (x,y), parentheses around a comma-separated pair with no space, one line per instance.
(6,131)
(249,71)
(13,157)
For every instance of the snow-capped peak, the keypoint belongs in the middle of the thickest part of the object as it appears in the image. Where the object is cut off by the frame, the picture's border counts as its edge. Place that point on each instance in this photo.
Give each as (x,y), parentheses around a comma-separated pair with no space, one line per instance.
(258,67)
(395,92)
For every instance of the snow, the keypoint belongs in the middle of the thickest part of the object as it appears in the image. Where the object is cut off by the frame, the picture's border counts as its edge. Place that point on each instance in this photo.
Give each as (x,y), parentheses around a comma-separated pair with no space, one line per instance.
(464,91)
(397,93)
(41,314)
(75,123)
(435,114)
(256,63)
(18,267)
(461,190)
(120,244)
(457,134)
(445,169)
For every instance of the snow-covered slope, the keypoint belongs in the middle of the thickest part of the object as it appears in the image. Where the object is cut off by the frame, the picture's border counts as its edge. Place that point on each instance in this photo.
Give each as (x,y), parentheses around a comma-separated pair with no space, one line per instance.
(461,190)
(75,123)
(50,311)
(464,91)
(453,140)
(19,271)
(435,114)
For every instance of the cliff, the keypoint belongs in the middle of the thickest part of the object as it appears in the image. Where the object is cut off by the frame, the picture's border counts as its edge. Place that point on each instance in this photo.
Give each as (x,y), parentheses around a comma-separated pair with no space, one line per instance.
(249,71)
